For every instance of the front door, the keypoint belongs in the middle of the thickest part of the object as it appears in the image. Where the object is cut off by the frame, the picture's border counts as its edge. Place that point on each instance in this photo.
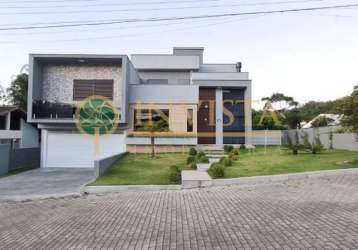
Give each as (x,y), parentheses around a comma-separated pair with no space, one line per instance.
(206,116)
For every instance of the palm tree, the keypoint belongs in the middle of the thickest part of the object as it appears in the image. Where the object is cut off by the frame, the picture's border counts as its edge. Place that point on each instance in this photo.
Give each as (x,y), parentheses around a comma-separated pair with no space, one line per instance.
(153,128)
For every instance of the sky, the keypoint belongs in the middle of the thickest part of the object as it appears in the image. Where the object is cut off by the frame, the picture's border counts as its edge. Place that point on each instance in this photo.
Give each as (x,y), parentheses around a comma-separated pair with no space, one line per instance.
(306,55)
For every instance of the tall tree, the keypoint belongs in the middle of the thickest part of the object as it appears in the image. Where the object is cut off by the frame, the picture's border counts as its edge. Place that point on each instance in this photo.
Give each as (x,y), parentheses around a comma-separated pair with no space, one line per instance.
(280,98)
(349,107)
(17,92)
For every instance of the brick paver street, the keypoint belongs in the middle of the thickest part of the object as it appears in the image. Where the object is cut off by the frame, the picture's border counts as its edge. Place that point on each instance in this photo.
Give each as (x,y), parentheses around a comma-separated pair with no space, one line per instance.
(320,213)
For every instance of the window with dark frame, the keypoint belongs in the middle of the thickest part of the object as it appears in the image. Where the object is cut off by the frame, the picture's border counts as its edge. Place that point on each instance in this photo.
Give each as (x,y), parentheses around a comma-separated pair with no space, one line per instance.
(85,88)
(143,116)
(189,122)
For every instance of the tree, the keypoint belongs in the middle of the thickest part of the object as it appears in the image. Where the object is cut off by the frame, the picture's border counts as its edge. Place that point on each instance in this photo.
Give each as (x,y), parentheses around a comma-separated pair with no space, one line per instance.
(17,92)
(153,127)
(293,118)
(349,107)
(281,98)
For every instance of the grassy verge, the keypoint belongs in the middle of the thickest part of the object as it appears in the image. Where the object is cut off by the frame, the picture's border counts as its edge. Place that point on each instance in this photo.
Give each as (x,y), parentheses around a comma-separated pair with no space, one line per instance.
(276,161)
(141,169)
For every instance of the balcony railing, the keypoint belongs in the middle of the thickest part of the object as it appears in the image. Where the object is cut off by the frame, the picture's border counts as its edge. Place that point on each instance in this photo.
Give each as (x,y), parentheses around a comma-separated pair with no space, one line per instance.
(50,110)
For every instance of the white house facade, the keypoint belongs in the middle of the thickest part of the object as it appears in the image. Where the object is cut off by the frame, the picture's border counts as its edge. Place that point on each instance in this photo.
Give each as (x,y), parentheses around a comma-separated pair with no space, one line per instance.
(200,103)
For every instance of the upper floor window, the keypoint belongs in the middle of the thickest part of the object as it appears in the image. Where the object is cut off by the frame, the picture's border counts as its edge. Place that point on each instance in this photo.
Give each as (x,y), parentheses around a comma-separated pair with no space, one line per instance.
(85,88)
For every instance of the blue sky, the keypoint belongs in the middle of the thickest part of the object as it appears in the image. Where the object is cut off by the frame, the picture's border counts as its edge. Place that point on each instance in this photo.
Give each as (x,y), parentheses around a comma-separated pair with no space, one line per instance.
(310,56)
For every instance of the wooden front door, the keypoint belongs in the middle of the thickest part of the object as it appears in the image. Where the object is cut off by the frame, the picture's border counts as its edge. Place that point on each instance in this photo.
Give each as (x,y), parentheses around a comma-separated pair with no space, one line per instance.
(206,116)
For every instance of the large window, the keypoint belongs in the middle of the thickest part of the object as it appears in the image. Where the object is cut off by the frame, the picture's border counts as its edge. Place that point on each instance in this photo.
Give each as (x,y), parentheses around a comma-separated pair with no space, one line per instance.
(143,117)
(85,88)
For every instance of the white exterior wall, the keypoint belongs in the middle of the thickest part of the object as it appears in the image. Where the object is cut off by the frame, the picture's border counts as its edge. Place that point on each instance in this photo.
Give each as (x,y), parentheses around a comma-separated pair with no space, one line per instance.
(30,136)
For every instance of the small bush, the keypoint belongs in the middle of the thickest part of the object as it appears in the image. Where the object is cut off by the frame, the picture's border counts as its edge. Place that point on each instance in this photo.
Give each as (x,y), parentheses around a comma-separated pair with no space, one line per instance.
(192,151)
(236,151)
(233,157)
(190,159)
(203,159)
(295,149)
(317,147)
(200,154)
(228,148)
(222,159)
(227,162)
(193,166)
(174,174)
(217,170)
(242,146)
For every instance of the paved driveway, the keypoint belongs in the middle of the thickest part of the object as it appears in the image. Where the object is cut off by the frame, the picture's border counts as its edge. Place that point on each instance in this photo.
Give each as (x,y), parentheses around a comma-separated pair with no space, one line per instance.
(320,213)
(42,183)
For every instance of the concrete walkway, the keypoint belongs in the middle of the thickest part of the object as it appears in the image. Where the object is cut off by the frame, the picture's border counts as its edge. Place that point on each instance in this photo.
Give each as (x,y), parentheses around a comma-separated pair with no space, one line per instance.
(44,183)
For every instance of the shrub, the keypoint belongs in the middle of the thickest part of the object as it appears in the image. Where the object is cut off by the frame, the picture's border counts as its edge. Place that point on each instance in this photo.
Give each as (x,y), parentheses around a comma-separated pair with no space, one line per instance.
(222,159)
(242,146)
(233,157)
(200,154)
(192,151)
(317,147)
(174,174)
(193,166)
(190,159)
(236,151)
(227,162)
(228,148)
(203,159)
(294,149)
(217,170)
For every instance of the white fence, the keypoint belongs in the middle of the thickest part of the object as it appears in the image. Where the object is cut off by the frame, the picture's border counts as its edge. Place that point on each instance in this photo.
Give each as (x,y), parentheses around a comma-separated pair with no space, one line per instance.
(266,137)
(327,135)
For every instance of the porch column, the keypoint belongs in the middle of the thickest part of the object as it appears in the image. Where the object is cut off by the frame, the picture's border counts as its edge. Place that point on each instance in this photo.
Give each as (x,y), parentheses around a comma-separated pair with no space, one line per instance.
(8,120)
(248,116)
(219,116)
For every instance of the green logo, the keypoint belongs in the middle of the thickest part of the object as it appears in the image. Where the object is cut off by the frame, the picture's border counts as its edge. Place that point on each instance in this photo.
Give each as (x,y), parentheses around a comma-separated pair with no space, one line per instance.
(96,116)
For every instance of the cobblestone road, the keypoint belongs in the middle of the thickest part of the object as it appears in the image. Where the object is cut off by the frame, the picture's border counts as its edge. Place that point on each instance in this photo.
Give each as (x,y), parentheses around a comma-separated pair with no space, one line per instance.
(319,213)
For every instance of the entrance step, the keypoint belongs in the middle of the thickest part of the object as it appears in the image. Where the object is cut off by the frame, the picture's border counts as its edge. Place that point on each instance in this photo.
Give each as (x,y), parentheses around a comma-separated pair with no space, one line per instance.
(195,179)
(203,167)
(213,160)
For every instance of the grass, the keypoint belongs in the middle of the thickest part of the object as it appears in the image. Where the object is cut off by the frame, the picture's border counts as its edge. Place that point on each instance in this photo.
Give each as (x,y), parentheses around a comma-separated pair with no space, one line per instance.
(141,169)
(276,161)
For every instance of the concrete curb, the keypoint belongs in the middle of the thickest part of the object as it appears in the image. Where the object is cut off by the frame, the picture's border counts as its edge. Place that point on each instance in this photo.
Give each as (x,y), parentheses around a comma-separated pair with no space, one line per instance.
(127,188)
(282,177)
(26,198)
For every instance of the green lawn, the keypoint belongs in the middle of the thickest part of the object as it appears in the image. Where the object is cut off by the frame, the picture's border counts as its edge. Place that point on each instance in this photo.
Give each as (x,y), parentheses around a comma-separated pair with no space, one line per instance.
(141,169)
(276,161)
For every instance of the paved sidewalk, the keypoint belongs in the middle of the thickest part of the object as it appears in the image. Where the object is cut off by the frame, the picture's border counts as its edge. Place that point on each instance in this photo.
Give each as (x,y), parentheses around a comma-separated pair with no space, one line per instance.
(44,183)
(315,213)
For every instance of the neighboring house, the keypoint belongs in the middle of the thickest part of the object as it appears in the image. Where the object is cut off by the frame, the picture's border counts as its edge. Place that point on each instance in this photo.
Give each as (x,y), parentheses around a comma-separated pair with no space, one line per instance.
(326,119)
(200,103)
(15,130)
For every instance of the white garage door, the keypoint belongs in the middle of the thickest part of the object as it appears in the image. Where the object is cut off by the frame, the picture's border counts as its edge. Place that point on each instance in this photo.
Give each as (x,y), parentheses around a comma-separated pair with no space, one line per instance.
(77,151)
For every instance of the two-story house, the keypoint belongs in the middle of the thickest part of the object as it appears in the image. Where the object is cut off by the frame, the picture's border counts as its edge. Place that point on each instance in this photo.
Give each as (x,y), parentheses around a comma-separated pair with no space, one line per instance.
(199,103)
